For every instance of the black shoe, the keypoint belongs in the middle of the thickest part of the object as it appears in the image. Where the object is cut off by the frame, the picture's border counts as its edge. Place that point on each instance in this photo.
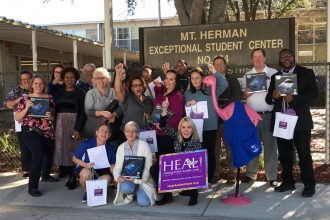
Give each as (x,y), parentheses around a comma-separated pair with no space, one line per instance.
(49,179)
(35,193)
(167,198)
(72,183)
(247,179)
(193,200)
(26,175)
(308,191)
(272,183)
(285,187)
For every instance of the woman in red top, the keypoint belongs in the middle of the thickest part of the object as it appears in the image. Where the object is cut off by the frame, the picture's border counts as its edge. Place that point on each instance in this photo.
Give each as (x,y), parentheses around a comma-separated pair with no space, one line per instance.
(38,134)
(169,92)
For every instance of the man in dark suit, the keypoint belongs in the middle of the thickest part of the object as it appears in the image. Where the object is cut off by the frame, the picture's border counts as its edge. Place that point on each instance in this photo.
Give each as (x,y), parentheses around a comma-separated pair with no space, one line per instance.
(307,92)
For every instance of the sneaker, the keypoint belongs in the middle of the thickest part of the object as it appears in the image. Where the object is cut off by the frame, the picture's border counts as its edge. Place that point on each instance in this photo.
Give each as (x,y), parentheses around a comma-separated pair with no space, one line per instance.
(284,187)
(35,193)
(84,199)
(273,183)
(308,191)
(26,175)
(49,179)
(247,179)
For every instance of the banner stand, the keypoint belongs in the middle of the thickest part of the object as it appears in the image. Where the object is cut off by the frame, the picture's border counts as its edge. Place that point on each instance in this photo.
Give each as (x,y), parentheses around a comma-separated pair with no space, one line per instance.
(236,199)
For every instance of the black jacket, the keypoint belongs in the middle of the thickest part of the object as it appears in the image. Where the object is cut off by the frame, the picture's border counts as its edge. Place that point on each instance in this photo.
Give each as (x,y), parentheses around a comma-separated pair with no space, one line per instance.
(307,92)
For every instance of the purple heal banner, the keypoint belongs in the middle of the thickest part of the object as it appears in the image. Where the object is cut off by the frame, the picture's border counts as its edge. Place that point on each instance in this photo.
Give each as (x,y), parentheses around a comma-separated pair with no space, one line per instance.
(183,171)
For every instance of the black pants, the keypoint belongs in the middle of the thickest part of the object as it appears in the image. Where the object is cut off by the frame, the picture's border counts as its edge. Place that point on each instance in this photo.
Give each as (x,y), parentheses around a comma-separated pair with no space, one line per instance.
(42,150)
(301,140)
(209,140)
(165,145)
(25,152)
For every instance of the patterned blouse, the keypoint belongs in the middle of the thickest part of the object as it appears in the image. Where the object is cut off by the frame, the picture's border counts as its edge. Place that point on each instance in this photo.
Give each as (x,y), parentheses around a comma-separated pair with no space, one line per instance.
(45,125)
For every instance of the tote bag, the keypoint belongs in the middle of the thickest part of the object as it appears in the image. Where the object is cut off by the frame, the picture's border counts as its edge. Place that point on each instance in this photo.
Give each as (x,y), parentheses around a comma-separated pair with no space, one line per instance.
(96,191)
(285,123)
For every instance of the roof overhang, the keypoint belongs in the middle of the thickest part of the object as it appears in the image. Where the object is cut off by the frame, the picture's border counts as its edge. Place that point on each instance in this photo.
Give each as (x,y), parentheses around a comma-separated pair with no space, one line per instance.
(16,31)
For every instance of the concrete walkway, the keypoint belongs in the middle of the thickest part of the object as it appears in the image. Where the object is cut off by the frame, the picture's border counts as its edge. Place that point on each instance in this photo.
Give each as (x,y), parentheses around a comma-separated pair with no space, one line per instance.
(59,203)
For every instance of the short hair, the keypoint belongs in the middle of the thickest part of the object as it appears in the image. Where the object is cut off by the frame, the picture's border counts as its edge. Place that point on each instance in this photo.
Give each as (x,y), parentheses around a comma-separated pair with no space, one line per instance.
(220,58)
(70,69)
(25,72)
(91,65)
(286,50)
(101,72)
(194,135)
(134,125)
(182,61)
(37,76)
(258,49)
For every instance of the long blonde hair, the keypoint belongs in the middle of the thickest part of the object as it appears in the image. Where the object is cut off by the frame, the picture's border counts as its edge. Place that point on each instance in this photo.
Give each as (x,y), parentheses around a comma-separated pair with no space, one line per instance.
(194,135)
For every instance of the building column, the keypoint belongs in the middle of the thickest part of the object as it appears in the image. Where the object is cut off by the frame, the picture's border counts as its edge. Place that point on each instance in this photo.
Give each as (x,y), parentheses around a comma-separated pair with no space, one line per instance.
(75,54)
(34,51)
(327,112)
(108,41)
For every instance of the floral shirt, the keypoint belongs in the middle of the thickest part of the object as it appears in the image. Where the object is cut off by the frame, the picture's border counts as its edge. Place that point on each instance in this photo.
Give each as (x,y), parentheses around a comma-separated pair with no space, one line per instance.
(45,125)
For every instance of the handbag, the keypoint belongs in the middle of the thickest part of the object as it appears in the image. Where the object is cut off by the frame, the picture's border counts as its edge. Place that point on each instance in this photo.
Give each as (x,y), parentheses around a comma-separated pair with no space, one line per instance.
(96,190)
(113,106)
(285,122)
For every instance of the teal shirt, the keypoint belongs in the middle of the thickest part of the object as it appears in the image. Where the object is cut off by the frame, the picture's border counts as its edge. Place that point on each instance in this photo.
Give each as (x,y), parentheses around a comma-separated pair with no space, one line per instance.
(210,123)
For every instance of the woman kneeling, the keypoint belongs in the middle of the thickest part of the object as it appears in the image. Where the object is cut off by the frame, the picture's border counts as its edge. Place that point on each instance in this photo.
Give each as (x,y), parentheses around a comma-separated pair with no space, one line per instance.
(82,160)
(143,188)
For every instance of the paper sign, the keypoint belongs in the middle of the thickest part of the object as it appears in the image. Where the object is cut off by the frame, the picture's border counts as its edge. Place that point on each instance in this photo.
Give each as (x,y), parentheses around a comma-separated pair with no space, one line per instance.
(198,108)
(98,156)
(182,171)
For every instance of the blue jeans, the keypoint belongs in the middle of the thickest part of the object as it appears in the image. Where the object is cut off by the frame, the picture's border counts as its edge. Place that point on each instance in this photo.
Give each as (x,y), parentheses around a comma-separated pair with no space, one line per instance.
(129,188)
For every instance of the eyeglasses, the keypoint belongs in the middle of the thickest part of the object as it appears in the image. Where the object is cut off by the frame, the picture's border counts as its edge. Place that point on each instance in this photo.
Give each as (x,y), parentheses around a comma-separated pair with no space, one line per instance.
(137,86)
(99,78)
(130,131)
(25,79)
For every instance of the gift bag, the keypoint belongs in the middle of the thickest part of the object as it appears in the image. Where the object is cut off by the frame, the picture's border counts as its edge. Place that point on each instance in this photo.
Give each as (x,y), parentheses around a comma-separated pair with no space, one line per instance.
(285,123)
(149,136)
(96,191)
(199,123)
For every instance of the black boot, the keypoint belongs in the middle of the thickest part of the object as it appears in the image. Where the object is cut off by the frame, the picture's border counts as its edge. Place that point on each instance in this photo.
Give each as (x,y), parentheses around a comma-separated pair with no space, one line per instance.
(193,197)
(167,198)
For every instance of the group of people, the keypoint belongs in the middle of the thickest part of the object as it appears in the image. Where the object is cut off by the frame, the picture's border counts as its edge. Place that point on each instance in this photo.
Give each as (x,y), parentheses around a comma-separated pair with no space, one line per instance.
(89,112)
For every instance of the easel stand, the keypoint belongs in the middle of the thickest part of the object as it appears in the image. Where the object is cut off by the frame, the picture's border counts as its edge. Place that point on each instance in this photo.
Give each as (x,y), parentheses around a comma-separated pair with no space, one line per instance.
(236,199)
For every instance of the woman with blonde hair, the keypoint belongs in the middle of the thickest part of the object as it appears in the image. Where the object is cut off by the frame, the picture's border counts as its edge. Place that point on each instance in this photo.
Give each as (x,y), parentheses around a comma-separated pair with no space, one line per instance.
(96,101)
(186,139)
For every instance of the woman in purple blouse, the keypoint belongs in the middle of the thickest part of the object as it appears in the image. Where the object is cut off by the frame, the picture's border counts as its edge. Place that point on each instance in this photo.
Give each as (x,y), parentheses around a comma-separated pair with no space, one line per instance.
(169,92)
